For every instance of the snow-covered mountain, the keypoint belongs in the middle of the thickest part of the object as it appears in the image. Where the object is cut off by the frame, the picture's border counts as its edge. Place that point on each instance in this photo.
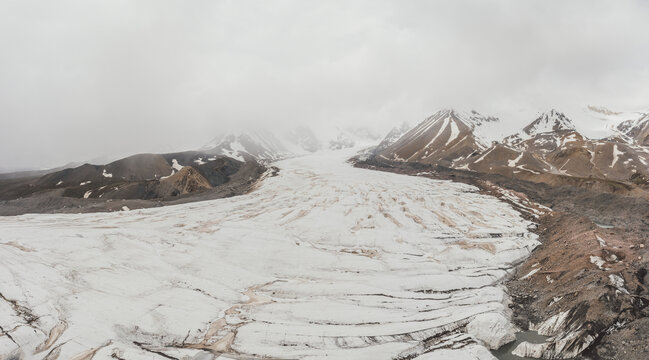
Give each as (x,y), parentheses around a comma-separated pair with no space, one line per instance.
(268,146)
(554,139)
(443,138)
(261,145)
(602,122)
(348,137)
(550,145)
(637,130)
(545,133)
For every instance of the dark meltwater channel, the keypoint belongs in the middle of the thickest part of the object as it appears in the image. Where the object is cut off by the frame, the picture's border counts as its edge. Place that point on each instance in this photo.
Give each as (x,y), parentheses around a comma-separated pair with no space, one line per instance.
(505,352)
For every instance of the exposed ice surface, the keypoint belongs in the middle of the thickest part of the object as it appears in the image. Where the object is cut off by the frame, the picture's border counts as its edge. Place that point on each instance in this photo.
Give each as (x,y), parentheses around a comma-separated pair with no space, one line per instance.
(323,260)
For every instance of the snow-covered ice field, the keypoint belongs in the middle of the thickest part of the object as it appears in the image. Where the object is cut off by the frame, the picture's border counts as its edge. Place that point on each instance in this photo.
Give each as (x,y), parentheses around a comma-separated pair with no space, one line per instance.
(324,260)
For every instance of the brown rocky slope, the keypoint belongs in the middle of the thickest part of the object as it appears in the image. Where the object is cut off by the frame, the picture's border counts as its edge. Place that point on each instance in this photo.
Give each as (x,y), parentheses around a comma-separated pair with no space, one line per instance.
(548,150)
(586,285)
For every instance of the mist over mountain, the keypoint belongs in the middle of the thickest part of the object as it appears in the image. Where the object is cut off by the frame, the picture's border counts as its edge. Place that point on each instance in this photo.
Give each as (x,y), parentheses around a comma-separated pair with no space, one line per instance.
(290,179)
(86,79)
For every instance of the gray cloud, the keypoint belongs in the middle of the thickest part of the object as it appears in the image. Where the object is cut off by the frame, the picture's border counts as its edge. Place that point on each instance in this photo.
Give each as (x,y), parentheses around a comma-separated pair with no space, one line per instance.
(82,79)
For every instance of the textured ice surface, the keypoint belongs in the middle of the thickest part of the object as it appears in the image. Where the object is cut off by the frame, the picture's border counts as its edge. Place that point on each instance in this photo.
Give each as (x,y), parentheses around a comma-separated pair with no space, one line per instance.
(324,260)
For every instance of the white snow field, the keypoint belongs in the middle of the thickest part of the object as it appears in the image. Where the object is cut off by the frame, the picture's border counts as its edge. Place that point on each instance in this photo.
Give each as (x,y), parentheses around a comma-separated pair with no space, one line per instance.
(323,260)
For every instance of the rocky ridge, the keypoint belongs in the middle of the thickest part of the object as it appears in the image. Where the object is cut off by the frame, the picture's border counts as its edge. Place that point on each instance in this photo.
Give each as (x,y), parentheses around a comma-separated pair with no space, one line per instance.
(137,181)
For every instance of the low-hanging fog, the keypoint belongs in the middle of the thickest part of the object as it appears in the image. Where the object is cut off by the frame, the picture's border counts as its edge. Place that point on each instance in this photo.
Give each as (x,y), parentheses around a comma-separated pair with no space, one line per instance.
(82,80)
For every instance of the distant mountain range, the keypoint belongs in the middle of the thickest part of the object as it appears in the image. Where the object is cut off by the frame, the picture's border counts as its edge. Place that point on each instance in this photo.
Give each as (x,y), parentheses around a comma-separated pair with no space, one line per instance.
(549,147)
(266,146)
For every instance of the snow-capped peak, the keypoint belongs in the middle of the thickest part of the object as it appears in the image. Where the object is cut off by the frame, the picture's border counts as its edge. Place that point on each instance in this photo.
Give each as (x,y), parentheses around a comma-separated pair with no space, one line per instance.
(472,119)
(550,121)
(478,119)
(445,129)
(485,129)
(551,126)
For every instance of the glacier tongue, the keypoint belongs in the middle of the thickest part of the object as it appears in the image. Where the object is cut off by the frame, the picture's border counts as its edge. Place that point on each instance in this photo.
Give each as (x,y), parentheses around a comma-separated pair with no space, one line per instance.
(322,260)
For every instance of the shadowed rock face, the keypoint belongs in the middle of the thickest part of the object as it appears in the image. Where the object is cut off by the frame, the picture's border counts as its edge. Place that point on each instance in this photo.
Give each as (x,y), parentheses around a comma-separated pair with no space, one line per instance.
(630,341)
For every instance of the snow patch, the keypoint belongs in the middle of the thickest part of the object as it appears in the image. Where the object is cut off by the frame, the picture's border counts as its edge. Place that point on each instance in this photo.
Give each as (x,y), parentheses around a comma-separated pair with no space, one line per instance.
(512,163)
(175,165)
(454,132)
(200,161)
(618,282)
(616,155)
(530,274)
(598,261)
(168,176)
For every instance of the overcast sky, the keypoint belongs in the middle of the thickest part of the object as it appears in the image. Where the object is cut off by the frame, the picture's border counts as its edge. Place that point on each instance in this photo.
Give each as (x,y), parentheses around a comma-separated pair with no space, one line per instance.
(83,79)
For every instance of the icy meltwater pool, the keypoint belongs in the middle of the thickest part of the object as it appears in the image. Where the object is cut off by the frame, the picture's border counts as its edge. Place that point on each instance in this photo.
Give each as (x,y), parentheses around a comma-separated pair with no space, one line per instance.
(324,260)
(505,352)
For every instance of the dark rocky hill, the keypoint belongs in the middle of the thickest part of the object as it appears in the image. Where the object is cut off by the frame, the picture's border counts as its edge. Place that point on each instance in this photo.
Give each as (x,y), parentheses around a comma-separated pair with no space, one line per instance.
(142,180)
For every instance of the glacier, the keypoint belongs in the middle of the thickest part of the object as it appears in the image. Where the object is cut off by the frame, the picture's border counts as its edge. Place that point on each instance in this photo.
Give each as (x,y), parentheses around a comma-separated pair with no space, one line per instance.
(323,260)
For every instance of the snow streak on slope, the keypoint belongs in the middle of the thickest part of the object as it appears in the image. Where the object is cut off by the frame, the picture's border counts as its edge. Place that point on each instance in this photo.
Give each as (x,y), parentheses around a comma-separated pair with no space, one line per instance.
(322,260)
(444,138)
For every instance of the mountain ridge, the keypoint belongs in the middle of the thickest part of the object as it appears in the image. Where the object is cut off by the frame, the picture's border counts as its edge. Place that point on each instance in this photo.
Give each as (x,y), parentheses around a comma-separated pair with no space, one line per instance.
(550,144)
